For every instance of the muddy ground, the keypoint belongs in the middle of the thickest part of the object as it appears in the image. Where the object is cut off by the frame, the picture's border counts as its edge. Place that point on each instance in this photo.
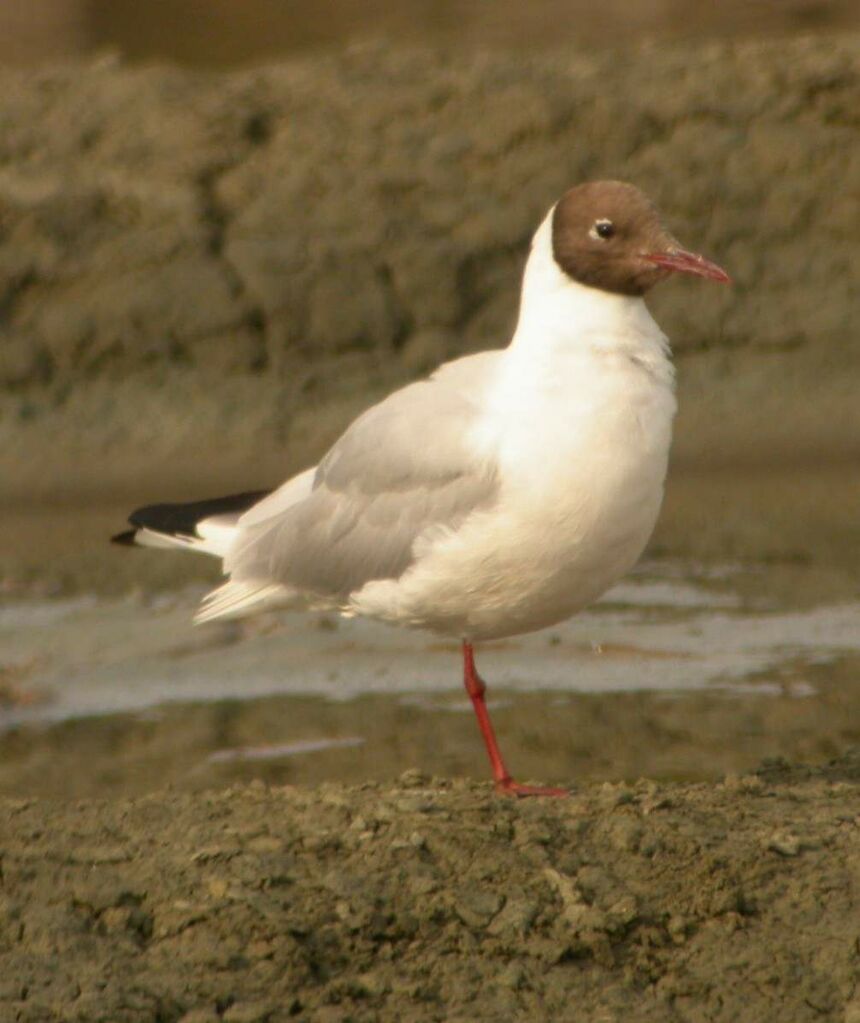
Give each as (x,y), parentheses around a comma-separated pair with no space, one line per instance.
(435,900)
(203,276)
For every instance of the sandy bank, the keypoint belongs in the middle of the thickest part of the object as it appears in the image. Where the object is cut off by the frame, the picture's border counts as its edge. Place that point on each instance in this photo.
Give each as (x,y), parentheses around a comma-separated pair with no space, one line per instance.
(195,265)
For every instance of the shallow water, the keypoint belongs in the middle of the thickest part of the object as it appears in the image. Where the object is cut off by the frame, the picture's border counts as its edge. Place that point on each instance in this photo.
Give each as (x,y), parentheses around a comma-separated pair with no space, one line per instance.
(656,632)
(737,638)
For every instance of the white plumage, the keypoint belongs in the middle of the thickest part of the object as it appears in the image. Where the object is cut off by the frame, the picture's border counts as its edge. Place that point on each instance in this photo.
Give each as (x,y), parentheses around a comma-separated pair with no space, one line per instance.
(545,460)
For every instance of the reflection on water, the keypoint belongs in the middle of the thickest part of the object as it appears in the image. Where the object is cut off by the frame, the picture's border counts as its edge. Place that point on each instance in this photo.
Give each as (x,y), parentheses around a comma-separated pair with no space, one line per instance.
(282,749)
(690,667)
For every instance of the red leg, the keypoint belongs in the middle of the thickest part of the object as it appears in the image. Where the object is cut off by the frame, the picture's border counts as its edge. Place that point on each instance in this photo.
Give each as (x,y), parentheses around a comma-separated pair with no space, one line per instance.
(504,782)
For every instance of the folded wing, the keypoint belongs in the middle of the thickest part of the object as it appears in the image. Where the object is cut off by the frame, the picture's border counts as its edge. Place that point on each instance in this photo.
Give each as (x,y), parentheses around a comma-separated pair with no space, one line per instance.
(405,471)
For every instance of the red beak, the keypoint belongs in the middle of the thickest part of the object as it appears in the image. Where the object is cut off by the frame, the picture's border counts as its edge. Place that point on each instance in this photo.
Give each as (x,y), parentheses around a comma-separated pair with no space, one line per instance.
(685,262)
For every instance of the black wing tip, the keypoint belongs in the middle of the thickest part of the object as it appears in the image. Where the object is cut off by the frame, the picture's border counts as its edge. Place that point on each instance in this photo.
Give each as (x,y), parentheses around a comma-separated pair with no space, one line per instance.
(125,539)
(182,519)
(154,516)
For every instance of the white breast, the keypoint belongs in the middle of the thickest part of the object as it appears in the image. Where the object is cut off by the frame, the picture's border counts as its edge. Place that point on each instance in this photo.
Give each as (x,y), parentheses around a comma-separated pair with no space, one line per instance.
(578,421)
(582,486)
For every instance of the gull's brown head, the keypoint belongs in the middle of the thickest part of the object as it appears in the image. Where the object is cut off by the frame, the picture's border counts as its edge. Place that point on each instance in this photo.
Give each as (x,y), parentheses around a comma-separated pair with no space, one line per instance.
(608,235)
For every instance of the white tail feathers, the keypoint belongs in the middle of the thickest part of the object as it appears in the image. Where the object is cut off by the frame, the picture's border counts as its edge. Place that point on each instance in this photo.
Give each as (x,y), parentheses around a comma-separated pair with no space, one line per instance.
(144,537)
(214,537)
(213,527)
(237,599)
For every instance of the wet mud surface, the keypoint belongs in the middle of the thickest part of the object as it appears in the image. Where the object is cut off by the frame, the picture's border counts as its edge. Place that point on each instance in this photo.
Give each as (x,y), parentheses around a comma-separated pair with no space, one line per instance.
(436,900)
(737,639)
(666,679)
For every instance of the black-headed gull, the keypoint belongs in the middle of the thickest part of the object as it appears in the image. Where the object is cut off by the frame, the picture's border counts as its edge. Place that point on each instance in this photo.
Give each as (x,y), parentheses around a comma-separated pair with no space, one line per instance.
(500,495)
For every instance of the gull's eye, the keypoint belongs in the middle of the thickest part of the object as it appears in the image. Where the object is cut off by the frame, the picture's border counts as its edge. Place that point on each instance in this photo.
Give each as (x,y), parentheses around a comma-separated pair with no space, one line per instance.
(602,229)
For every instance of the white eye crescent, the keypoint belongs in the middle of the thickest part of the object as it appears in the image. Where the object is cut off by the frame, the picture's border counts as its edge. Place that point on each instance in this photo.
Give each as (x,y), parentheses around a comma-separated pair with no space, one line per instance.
(601,230)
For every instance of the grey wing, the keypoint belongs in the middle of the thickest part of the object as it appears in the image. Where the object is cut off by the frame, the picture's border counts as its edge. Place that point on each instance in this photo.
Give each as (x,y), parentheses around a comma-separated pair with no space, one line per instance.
(402,472)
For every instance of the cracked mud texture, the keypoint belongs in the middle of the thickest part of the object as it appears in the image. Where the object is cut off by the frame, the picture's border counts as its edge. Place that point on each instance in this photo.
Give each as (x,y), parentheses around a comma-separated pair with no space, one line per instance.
(203,276)
(432,900)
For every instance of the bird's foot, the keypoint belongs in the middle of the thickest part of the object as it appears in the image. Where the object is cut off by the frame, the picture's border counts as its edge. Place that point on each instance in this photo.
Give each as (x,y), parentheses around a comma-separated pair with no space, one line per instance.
(509,787)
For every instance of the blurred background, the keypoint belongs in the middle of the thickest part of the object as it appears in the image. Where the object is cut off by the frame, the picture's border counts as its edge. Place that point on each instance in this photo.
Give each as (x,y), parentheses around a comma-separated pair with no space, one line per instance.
(227,226)
(224,33)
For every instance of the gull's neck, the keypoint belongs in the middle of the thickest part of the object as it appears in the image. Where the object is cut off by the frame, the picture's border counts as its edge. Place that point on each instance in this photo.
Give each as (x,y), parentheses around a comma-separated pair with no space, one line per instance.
(559,315)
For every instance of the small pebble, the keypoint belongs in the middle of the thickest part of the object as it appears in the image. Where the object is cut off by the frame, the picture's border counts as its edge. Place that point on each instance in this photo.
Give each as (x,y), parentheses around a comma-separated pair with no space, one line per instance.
(750,783)
(247,1012)
(784,843)
(477,908)
(200,1016)
(413,778)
